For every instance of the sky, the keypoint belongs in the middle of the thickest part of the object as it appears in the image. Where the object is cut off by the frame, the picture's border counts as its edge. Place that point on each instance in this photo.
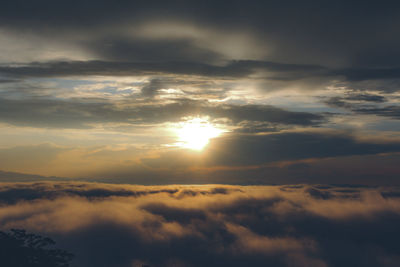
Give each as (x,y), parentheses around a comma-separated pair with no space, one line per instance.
(180,92)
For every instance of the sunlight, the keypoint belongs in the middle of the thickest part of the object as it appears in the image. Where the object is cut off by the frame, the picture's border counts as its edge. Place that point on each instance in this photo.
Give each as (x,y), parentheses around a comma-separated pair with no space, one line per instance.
(196,133)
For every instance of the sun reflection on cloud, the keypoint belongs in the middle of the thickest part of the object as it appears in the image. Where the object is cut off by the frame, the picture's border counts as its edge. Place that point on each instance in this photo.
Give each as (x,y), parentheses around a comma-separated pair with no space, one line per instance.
(196,133)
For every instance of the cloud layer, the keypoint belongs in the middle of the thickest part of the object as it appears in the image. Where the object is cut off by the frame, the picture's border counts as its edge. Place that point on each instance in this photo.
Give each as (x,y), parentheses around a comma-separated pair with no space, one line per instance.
(110,225)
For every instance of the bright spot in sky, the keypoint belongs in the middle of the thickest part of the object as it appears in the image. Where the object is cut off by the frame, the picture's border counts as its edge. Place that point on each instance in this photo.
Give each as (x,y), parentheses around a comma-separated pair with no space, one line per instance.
(196,133)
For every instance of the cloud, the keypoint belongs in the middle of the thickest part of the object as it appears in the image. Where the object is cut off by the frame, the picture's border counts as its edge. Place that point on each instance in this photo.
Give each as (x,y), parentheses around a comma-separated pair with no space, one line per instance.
(245,150)
(152,87)
(228,39)
(366,104)
(258,225)
(271,75)
(366,98)
(126,50)
(232,69)
(371,39)
(387,111)
(81,113)
(360,74)
(284,157)
(353,100)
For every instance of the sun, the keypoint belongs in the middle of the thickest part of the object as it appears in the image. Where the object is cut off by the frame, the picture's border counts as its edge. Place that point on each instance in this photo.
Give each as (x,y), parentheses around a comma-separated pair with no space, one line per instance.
(196,133)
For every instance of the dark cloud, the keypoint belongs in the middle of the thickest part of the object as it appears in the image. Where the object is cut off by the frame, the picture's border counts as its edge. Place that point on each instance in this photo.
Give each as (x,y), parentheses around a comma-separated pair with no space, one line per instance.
(80,113)
(45,189)
(273,158)
(366,98)
(171,214)
(319,194)
(270,75)
(365,104)
(387,111)
(338,102)
(360,74)
(216,190)
(385,86)
(256,127)
(289,146)
(233,69)
(353,100)
(279,74)
(339,33)
(8,81)
(115,49)
(259,225)
(263,113)
(354,33)
(151,88)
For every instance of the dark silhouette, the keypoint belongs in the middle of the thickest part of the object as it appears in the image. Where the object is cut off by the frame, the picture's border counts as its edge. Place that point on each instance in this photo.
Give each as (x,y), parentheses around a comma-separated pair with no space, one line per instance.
(21,249)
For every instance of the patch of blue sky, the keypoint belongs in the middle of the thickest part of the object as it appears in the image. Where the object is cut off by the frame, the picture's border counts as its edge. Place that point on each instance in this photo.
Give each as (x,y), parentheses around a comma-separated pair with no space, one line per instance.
(66,83)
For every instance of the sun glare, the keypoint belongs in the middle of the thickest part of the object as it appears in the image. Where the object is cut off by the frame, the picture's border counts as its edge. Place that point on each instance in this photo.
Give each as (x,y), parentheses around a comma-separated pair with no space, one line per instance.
(196,133)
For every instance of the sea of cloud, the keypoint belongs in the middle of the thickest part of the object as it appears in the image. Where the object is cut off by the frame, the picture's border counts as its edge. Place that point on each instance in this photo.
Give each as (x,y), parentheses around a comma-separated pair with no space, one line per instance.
(210,225)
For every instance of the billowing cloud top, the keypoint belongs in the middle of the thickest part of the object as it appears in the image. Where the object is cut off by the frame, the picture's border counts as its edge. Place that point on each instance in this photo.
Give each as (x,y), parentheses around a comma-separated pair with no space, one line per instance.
(302,225)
